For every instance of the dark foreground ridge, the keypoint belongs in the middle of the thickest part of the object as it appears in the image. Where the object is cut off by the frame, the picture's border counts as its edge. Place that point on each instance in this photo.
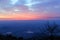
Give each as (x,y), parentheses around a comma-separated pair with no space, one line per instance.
(11,37)
(51,32)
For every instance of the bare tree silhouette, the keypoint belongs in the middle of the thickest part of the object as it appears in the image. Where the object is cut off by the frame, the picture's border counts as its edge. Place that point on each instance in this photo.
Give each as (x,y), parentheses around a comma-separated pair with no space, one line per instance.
(48,32)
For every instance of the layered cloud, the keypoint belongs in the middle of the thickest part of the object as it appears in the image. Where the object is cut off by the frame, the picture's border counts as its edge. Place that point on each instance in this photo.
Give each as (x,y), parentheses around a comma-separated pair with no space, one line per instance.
(39,8)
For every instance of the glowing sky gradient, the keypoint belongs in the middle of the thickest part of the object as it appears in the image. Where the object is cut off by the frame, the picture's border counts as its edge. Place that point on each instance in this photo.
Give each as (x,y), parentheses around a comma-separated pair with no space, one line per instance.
(29,9)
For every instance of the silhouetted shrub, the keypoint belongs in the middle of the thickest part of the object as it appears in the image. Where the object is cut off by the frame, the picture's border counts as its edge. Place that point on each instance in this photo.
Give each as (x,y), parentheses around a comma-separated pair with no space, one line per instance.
(48,33)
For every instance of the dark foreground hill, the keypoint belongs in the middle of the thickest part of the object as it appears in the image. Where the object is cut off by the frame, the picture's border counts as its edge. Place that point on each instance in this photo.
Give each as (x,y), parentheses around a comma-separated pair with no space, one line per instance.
(48,32)
(11,37)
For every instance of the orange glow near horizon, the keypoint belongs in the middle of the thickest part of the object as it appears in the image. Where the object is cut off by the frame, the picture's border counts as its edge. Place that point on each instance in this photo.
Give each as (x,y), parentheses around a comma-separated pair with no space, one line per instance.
(19,17)
(22,16)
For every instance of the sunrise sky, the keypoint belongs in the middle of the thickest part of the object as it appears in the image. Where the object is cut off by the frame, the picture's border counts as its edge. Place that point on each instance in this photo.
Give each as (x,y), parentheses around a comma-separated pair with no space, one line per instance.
(29,9)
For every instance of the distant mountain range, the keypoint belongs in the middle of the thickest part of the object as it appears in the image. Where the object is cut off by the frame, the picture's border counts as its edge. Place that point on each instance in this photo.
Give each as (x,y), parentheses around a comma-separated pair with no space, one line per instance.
(53,18)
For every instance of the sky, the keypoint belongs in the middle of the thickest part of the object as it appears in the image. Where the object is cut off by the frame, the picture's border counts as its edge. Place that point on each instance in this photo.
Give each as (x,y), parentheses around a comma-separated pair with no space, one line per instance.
(29,9)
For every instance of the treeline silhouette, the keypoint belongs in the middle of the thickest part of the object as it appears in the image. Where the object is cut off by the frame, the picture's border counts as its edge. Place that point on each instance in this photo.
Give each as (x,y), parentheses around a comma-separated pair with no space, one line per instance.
(48,33)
